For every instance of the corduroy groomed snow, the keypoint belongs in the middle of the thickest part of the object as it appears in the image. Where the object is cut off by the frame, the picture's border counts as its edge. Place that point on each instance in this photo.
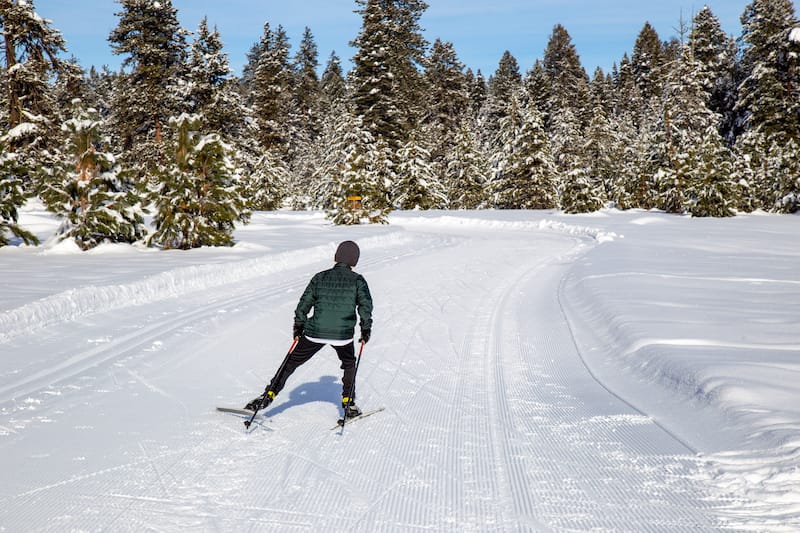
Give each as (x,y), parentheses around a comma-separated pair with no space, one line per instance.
(347,253)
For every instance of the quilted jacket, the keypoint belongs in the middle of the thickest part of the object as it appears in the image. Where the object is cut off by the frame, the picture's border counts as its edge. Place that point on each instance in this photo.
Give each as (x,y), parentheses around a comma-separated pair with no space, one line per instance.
(335,296)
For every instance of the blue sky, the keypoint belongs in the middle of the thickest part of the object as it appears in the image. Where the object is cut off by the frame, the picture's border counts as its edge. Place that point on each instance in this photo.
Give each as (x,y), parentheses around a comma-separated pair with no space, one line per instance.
(480,30)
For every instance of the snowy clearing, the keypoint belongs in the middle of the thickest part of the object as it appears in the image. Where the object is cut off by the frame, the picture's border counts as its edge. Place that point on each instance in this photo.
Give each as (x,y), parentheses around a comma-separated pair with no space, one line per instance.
(620,371)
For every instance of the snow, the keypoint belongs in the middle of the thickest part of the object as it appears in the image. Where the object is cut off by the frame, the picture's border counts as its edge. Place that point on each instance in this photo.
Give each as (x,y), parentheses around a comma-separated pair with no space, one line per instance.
(22,130)
(794,35)
(619,371)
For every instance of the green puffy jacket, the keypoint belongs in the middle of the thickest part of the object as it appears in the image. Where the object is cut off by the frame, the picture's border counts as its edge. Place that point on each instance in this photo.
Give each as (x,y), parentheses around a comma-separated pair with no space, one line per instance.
(335,295)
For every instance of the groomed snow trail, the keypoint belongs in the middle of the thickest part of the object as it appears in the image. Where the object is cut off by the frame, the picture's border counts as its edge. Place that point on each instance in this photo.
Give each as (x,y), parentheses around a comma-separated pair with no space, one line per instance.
(492,423)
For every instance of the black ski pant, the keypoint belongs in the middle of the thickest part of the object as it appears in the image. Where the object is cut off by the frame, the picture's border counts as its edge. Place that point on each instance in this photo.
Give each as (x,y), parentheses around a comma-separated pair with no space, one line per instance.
(304,351)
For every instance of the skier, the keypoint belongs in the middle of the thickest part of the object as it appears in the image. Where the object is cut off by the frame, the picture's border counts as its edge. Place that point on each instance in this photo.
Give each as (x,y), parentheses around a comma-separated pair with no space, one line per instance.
(335,295)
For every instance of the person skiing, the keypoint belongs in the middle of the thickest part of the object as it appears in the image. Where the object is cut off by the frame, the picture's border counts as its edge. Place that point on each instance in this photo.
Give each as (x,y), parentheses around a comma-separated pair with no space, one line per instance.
(335,296)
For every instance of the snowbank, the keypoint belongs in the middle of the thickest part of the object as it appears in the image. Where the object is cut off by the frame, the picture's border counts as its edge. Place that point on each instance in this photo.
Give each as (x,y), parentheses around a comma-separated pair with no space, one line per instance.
(77,302)
(523,225)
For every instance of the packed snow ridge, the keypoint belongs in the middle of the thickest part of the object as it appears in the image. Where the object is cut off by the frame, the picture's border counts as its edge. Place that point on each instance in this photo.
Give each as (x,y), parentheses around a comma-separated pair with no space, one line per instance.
(83,301)
(570,229)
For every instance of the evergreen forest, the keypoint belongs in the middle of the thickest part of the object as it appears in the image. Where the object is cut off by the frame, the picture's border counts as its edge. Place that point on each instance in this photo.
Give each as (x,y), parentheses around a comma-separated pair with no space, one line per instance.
(174,149)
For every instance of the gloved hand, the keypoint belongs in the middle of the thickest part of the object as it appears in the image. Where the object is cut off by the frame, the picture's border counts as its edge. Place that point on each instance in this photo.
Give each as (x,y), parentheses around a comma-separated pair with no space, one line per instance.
(297,331)
(365,333)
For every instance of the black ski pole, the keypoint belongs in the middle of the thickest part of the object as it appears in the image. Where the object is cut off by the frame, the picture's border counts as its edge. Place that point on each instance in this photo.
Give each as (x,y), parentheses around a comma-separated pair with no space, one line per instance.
(353,386)
(266,389)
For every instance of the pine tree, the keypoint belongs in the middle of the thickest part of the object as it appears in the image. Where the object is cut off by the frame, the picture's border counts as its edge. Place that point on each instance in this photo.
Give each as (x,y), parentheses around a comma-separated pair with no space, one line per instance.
(307,84)
(523,166)
(211,89)
(769,98)
(466,171)
(197,200)
(149,35)
(694,164)
(31,48)
(647,62)
(478,91)
(569,84)
(355,166)
(448,103)
(580,193)
(448,95)
(270,89)
(387,84)
(12,197)
(31,56)
(503,85)
(713,189)
(715,55)
(264,177)
(332,83)
(90,190)
(417,186)
(603,147)
(539,89)
(306,112)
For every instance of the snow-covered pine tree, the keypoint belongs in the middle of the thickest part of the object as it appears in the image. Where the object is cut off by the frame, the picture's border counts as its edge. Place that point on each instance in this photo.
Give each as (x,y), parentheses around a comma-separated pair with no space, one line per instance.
(580,192)
(386,79)
(569,110)
(354,166)
(270,88)
(149,35)
(448,104)
(503,85)
(12,197)
(628,102)
(478,91)
(212,91)
(466,171)
(769,98)
(90,190)
(197,199)
(523,167)
(647,62)
(713,191)
(332,84)
(306,113)
(691,147)
(715,55)
(636,185)
(71,84)
(31,48)
(306,87)
(101,92)
(417,186)
(603,147)
(569,84)
(448,95)
(263,176)
(538,89)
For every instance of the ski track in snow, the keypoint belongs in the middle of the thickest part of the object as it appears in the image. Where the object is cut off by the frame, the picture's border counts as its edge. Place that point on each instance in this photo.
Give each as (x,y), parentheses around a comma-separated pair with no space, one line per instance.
(493,421)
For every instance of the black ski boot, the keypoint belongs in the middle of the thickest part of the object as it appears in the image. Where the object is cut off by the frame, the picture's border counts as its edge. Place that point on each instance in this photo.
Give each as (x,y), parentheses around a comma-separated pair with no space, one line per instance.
(261,402)
(351,410)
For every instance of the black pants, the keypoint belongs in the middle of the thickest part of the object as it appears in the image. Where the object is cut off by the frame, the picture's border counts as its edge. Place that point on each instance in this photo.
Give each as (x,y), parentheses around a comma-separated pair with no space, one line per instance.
(304,351)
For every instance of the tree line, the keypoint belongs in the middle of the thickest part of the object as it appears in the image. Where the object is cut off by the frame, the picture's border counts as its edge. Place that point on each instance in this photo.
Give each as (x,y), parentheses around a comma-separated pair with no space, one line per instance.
(701,123)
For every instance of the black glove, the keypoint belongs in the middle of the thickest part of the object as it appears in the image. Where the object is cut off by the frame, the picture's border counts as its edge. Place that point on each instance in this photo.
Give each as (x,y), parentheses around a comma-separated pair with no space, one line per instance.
(297,331)
(365,333)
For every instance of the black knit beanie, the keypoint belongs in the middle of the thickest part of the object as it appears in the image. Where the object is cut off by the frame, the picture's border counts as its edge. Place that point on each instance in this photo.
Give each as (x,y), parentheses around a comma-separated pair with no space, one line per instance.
(347,253)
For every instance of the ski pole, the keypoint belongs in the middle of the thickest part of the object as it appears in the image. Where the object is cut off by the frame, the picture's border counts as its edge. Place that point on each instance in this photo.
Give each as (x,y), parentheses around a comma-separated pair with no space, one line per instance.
(266,389)
(353,386)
